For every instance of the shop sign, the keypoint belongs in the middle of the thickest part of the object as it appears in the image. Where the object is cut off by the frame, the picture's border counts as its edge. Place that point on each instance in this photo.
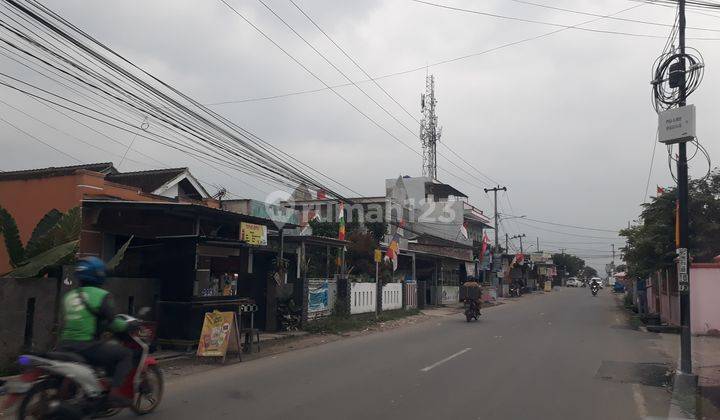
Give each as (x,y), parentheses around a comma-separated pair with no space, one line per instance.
(253,234)
(219,334)
(378,255)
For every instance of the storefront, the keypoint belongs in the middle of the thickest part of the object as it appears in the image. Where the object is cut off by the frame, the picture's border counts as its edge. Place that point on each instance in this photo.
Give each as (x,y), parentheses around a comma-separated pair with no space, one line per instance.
(206,259)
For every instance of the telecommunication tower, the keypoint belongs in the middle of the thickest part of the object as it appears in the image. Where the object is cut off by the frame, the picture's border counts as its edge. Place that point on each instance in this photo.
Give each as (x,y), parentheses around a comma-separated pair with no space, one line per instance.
(429,131)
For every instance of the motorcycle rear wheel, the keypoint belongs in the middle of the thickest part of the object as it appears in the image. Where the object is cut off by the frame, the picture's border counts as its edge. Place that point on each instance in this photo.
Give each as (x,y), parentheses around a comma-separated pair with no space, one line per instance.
(46,392)
(151,390)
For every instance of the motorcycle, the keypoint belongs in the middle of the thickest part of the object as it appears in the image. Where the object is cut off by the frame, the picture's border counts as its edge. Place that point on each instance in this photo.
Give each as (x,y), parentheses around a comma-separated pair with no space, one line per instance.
(472,309)
(62,385)
(594,289)
(514,290)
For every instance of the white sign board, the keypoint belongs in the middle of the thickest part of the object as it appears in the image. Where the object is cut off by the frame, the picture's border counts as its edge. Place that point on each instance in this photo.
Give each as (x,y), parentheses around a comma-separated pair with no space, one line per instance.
(676,125)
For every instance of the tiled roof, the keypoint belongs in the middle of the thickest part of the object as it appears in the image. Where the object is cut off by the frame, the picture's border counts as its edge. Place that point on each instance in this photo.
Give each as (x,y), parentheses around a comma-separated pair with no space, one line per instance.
(53,171)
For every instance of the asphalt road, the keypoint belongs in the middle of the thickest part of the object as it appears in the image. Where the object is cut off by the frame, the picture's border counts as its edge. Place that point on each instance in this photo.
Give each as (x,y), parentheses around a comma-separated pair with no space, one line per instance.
(560,355)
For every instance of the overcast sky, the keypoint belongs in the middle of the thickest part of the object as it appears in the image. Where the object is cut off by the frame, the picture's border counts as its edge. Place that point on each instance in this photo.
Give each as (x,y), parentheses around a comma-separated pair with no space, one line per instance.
(564,121)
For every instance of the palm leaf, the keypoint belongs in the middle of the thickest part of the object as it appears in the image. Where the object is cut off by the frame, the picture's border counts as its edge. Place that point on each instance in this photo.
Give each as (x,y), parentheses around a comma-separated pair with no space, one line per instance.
(10,232)
(68,227)
(115,260)
(41,240)
(40,262)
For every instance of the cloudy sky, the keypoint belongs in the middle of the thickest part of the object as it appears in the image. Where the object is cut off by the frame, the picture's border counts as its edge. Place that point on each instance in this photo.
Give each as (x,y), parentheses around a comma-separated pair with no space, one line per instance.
(564,121)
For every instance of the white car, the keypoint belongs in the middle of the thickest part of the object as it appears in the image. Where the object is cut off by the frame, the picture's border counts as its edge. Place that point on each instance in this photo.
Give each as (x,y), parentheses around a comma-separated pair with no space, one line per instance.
(573,282)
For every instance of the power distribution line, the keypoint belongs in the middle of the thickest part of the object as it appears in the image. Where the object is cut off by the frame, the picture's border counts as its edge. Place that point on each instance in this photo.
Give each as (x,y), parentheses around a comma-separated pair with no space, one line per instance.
(426,66)
(539,22)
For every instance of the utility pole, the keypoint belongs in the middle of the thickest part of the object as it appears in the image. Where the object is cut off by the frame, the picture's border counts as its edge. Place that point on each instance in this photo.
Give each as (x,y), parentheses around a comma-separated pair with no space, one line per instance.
(682,180)
(519,237)
(538,244)
(506,242)
(497,246)
(613,254)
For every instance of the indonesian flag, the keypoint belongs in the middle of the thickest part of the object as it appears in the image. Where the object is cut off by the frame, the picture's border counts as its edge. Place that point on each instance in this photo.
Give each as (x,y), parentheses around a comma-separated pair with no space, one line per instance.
(401,227)
(484,247)
(463,230)
(341,230)
(660,190)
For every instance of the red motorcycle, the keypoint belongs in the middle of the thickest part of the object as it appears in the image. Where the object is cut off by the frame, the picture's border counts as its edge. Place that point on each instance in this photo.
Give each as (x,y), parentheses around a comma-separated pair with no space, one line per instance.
(62,385)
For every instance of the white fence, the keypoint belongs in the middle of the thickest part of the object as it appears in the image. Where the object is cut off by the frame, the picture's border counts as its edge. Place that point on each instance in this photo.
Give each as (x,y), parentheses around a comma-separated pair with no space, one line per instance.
(321,297)
(392,296)
(450,294)
(362,298)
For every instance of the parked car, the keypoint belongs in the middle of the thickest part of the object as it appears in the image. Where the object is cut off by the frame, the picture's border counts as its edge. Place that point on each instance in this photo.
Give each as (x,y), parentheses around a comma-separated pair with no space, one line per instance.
(573,282)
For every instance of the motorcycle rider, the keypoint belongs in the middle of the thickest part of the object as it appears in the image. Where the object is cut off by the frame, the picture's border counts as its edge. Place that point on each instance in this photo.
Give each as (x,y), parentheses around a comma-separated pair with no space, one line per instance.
(88,311)
(473,283)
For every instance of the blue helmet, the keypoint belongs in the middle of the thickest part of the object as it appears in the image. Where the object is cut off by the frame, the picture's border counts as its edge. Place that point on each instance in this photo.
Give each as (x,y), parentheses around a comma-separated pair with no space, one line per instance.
(90,271)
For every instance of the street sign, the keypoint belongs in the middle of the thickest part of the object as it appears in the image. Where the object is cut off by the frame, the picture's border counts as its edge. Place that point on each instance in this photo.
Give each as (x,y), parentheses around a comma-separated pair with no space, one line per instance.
(683,280)
(676,125)
(378,255)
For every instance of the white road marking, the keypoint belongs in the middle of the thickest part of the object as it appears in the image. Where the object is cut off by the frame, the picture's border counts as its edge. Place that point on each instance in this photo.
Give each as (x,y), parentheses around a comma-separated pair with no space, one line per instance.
(436,364)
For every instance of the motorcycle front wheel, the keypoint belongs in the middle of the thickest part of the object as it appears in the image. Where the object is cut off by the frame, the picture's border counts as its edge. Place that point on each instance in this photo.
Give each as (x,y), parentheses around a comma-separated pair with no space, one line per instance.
(150,391)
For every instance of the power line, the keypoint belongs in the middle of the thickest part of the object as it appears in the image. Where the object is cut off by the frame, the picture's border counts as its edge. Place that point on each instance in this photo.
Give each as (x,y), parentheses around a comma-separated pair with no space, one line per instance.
(426,66)
(40,141)
(578,12)
(566,225)
(178,117)
(304,67)
(563,233)
(375,82)
(539,22)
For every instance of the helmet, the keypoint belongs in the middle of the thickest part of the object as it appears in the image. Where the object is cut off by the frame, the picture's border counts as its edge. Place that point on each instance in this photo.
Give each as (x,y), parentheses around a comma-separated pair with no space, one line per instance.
(90,271)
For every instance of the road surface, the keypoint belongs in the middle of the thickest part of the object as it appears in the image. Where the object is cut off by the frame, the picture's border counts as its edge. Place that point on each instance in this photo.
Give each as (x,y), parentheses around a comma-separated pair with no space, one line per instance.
(560,355)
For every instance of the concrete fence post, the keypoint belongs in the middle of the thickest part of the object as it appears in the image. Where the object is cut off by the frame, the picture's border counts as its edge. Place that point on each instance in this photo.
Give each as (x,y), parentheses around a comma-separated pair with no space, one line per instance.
(343,296)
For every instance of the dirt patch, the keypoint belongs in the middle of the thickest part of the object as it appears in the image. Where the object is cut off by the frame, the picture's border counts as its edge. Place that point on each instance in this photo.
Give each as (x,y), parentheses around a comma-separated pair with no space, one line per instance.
(648,374)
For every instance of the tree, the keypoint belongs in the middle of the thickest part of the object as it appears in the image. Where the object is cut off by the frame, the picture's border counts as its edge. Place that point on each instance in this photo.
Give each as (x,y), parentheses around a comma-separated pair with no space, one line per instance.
(571,263)
(588,272)
(53,241)
(651,244)
(361,252)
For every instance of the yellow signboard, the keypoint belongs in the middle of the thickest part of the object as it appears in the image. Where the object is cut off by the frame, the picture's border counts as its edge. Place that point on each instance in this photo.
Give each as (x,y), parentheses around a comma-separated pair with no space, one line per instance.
(253,234)
(378,255)
(219,330)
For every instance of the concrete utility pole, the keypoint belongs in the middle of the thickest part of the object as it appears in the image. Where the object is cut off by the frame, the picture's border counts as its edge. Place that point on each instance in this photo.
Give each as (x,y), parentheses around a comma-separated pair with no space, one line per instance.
(682,180)
(538,244)
(506,242)
(497,246)
(519,237)
(613,254)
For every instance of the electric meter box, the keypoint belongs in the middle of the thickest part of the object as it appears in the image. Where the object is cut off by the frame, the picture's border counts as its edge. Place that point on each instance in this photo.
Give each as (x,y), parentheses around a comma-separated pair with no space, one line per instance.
(676,125)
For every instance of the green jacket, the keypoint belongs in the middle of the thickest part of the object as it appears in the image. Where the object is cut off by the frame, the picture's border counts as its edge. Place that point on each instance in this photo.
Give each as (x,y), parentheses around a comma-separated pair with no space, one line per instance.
(85,321)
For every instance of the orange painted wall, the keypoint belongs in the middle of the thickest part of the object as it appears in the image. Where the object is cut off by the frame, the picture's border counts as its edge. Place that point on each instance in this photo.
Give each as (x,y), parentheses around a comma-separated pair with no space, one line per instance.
(29,200)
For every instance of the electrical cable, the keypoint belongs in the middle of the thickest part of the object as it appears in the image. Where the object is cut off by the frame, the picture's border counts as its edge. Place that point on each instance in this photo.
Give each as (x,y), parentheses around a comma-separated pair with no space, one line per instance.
(539,22)
(425,66)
